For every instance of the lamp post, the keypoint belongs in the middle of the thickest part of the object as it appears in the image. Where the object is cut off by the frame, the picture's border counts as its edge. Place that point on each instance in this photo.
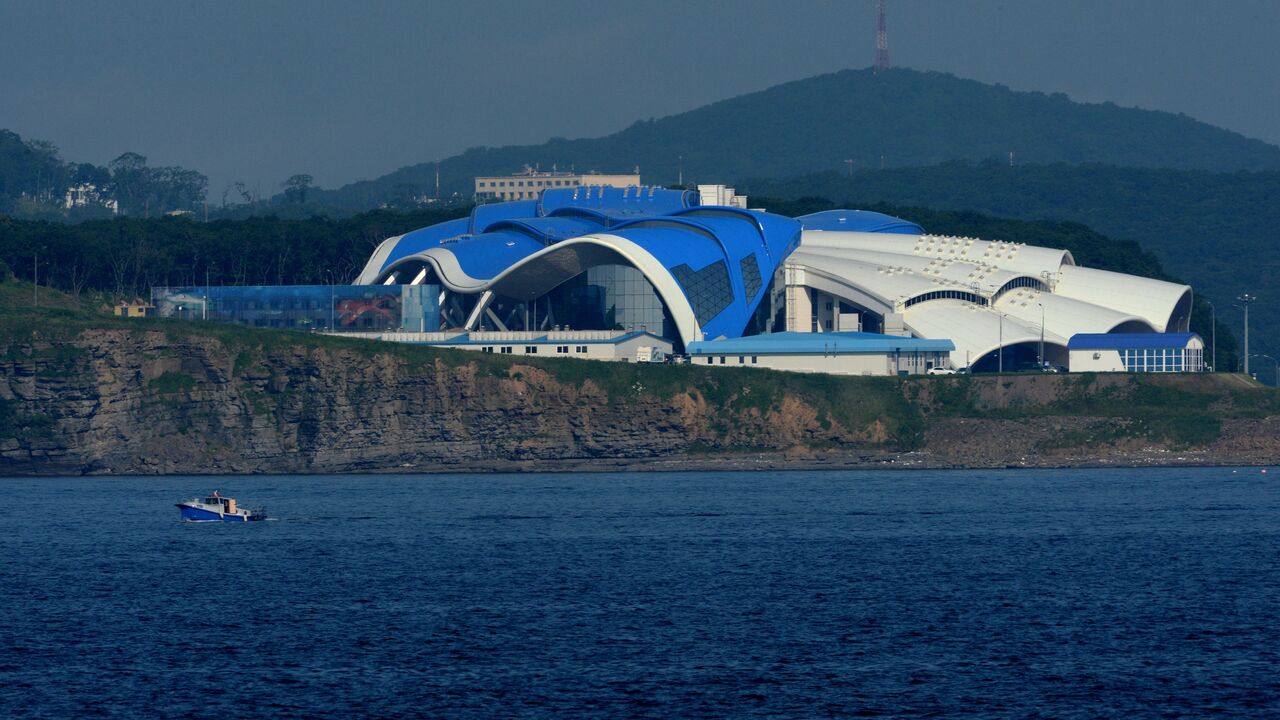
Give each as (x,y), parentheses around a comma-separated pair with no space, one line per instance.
(35,279)
(1276,381)
(1041,335)
(332,299)
(1213,332)
(1000,348)
(1245,299)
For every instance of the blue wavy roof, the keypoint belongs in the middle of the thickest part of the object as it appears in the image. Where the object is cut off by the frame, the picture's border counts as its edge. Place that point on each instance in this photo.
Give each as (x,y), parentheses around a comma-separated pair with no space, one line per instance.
(859,221)
(721,257)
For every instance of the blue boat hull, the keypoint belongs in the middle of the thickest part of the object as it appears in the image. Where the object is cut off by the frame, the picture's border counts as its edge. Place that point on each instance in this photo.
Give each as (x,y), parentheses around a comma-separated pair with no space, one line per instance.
(192,514)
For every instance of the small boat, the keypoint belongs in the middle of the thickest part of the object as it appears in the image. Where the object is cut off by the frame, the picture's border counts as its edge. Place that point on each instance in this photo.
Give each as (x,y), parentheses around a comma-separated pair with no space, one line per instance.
(216,508)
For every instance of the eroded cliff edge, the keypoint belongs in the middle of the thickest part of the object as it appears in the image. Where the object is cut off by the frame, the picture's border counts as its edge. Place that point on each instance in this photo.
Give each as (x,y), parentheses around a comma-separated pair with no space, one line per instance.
(161,398)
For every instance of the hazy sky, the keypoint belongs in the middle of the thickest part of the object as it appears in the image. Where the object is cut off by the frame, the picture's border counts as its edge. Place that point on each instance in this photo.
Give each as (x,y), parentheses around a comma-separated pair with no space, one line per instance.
(256,91)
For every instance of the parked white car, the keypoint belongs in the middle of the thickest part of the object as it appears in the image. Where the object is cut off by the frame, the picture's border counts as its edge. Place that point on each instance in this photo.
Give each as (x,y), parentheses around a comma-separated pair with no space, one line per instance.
(940,370)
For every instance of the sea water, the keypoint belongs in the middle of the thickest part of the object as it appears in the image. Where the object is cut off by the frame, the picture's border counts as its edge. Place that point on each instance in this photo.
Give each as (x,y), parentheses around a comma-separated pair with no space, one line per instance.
(1086,593)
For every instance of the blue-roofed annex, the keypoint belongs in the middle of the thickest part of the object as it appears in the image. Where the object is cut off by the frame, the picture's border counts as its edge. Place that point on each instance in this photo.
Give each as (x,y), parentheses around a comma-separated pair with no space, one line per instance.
(678,264)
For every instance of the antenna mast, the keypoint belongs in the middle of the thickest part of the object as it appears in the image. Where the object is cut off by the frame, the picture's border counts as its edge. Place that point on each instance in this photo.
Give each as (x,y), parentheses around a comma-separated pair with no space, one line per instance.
(882,40)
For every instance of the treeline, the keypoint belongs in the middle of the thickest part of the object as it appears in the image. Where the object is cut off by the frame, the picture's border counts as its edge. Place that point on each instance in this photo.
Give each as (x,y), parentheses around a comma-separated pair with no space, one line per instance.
(34,182)
(128,256)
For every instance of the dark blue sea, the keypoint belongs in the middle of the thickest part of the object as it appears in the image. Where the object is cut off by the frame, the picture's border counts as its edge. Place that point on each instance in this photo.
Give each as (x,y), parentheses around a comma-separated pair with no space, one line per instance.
(1051,594)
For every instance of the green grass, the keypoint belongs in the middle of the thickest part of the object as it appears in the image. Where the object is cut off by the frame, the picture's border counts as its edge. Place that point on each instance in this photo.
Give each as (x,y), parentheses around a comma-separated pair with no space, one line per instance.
(172,382)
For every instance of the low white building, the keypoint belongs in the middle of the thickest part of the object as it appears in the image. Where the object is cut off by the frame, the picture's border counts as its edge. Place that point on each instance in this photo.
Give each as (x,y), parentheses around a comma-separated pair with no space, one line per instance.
(837,353)
(610,345)
(1136,352)
(527,185)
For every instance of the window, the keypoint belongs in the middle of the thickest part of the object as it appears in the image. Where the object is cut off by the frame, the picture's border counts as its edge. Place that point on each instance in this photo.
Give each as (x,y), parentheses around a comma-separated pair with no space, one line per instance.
(487,349)
(751,281)
(755,359)
(708,289)
(721,359)
(742,360)
(710,360)
(506,349)
(530,349)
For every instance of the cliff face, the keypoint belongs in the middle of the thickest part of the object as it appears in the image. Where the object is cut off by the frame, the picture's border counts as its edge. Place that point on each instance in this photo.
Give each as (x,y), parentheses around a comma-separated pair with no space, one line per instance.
(142,402)
(155,401)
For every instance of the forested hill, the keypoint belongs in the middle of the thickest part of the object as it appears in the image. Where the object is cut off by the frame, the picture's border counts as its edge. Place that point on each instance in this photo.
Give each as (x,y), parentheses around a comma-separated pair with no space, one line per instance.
(896,118)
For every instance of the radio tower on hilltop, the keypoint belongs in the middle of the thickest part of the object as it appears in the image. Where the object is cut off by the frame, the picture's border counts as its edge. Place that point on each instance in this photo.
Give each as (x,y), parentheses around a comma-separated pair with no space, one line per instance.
(882,40)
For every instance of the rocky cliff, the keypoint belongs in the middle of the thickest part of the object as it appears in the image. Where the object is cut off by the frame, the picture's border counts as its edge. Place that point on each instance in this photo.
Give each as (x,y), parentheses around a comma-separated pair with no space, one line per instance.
(158,398)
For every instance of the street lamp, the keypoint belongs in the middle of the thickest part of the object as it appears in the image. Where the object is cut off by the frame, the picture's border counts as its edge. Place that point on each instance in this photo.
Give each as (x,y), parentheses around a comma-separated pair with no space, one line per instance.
(329,272)
(1213,331)
(1277,362)
(1041,335)
(1245,299)
(1000,348)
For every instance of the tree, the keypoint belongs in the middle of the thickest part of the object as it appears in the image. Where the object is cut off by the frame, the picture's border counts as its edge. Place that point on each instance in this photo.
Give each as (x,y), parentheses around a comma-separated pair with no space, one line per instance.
(129,182)
(295,188)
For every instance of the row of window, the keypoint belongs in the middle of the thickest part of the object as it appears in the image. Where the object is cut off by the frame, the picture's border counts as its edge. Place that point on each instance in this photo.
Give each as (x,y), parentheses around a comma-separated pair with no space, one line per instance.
(533,349)
(1163,360)
(742,359)
(529,183)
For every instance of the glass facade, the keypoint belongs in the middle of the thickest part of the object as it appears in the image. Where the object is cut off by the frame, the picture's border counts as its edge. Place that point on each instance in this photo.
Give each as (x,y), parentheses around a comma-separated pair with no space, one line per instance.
(611,297)
(751,280)
(350,308)
(1163,359)
(708,289)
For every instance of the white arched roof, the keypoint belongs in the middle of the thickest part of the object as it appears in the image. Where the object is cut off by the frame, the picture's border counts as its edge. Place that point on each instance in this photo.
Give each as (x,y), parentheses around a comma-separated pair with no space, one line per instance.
(883,271)
(1014,257)
(974,330)
(372,269)
(1152,300)
(1063,316)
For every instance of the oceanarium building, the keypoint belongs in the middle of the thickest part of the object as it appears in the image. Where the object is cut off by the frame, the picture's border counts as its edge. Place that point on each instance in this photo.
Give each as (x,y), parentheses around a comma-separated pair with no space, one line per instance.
(689,266)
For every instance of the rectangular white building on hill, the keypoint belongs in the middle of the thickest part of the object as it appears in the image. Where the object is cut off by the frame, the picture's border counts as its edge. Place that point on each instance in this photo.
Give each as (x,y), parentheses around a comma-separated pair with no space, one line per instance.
(850,353)
(527,185)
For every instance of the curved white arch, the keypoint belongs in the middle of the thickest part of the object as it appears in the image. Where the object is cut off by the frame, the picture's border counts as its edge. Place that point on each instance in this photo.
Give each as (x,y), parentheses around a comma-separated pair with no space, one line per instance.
(373,268)
(541,271)
(1015,257)
(1155,301)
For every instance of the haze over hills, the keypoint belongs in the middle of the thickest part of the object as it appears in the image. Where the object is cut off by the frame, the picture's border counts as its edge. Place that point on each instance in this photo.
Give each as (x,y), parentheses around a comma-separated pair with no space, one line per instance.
(896,118)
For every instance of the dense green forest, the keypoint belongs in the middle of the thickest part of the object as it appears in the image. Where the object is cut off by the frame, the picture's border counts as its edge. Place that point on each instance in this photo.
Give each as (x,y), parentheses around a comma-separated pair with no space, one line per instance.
(852,119)
(35,181)
(126,257)
(1216,231)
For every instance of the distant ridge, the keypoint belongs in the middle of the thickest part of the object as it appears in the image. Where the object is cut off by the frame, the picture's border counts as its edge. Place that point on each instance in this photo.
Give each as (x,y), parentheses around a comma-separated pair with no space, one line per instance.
(897,118)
